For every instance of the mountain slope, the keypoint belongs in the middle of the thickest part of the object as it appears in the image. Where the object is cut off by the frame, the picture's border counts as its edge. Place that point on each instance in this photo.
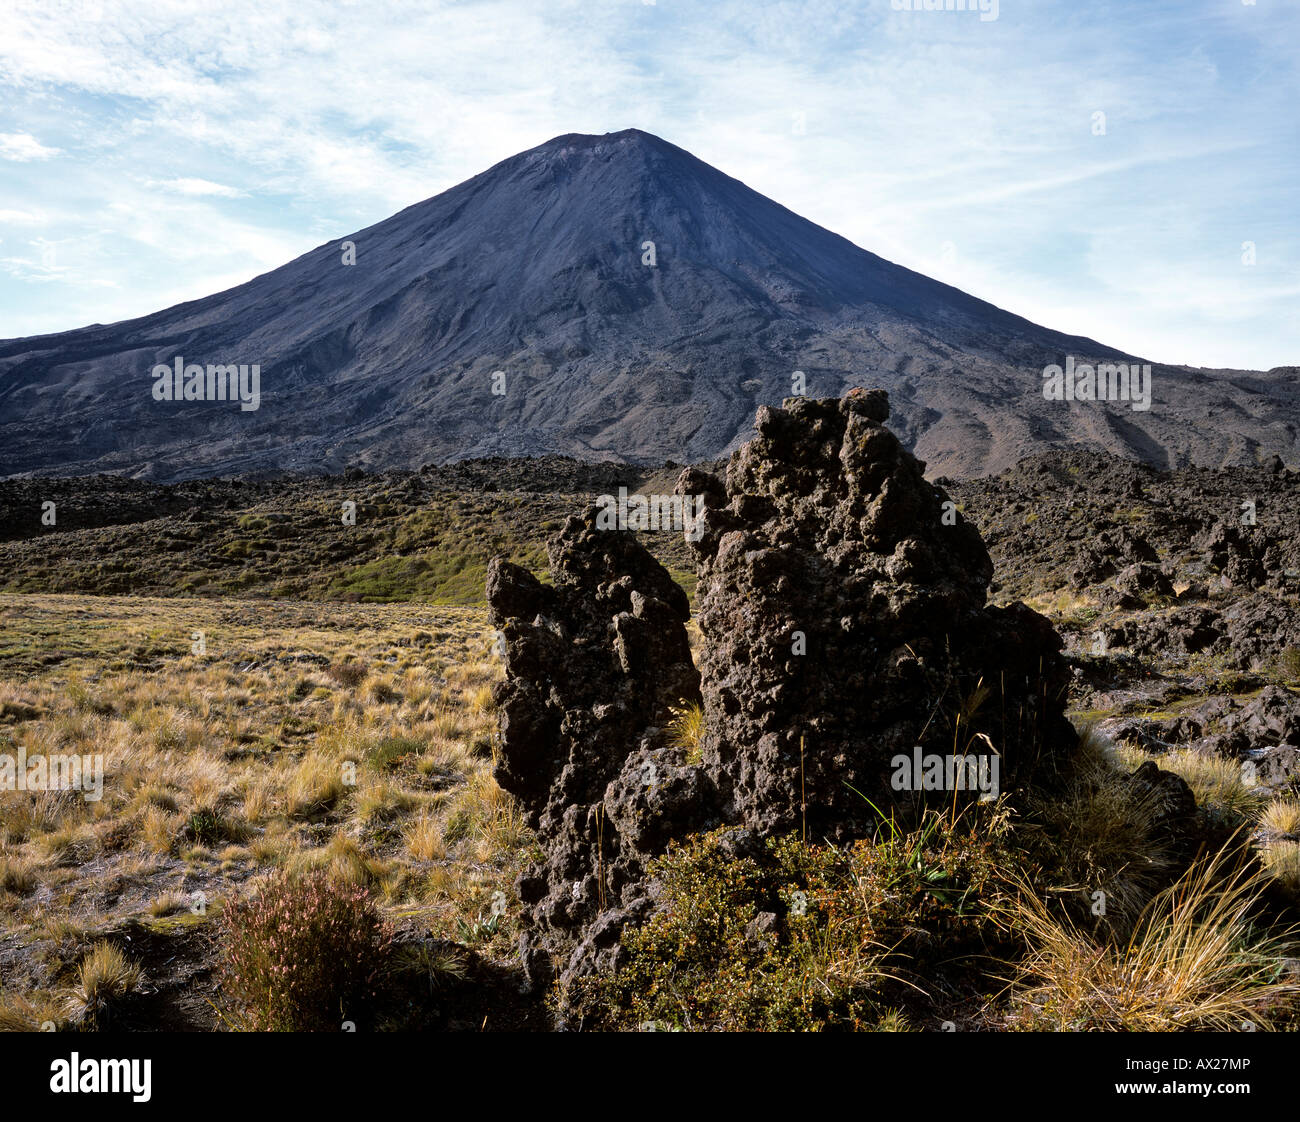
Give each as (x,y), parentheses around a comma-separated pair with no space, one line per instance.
(535,268)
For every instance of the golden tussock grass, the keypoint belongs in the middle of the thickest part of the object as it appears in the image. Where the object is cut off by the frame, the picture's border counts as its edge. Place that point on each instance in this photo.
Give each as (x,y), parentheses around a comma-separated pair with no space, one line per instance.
(423,838)
(18,875)
(1281,816)
(1282,861)
(1194,961)
(104,977)
(33,1012)
(250,736)
(1103,833)
(342,859)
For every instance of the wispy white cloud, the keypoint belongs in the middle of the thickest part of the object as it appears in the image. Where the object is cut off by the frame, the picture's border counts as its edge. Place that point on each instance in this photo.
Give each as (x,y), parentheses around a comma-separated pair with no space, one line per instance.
(190,185)
(22,146)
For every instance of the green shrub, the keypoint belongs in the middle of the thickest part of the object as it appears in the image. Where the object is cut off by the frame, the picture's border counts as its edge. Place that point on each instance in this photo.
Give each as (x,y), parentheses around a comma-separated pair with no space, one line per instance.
(302,954)
(205,826)
(302,688)
(799,937)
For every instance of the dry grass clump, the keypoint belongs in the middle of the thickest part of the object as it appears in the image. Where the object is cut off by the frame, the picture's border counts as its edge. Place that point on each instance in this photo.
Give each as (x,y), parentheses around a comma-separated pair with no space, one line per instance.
(471,675)
(1194,961)
(382,802)
(1100,833)
(1068,609)
(17,874)
(481,701)
(271,848)
(448,724)
(161,830)
(68,845)
(380,690)
(157,796)
(343,860)
(487,815)
(320,781)
(34,1012)
(1281,816)
(686,730)
(168,904)
(260,801)
(1282,861)
(104,978)
(423,838)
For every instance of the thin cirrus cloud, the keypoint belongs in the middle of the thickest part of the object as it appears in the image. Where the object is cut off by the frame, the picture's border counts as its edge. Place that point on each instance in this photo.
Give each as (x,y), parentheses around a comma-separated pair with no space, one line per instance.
(1100,168)
(189,185)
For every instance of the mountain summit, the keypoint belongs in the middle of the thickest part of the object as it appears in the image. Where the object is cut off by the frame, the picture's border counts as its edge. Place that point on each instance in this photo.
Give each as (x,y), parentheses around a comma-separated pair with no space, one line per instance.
(600,296)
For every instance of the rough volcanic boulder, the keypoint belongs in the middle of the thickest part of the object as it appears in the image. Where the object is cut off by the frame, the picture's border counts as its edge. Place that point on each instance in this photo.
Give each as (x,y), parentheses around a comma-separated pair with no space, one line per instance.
(841,602)
(1255,631)
(1176,821)
(593,663)
(1276,768)
(1136,585)
(1113,550)
(1271,717)
(1243,558)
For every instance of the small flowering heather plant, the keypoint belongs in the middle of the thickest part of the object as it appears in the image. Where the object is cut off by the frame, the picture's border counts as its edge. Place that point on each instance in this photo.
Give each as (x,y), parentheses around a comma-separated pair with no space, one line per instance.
(302,954)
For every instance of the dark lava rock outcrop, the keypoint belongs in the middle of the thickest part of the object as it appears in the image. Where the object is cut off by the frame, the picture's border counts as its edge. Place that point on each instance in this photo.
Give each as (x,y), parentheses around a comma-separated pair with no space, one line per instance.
(841,599)
(842,606)
(1208,560)
(595,661)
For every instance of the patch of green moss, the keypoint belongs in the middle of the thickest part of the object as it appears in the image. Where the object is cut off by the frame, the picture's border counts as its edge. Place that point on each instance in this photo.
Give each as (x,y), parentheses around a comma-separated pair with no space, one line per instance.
(687,580)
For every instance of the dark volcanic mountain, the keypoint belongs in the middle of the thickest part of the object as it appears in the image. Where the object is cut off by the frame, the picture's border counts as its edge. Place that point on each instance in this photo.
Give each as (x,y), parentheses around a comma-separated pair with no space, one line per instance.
(535,268)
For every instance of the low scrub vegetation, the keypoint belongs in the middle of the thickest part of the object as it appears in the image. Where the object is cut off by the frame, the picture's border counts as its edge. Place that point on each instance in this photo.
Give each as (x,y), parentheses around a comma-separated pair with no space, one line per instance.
(799,936)
(302,953)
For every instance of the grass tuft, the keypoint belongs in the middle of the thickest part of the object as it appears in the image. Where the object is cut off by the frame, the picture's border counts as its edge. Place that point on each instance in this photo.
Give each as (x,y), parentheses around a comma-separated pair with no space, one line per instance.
(1194,961)
(104,978)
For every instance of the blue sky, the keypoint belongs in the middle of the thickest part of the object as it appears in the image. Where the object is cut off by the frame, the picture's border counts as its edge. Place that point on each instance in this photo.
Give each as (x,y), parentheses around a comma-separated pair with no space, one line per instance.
(153,151)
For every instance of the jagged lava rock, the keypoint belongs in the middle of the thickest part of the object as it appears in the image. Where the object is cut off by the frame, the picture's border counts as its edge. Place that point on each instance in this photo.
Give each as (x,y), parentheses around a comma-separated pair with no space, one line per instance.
(826,539)
(593,663)
(842,608)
